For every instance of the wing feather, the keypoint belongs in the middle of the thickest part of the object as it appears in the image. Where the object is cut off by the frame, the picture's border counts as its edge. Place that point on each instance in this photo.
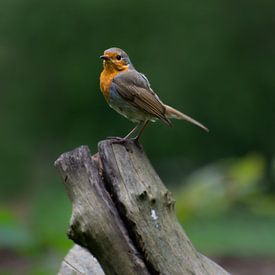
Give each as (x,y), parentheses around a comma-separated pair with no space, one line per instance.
(135,88)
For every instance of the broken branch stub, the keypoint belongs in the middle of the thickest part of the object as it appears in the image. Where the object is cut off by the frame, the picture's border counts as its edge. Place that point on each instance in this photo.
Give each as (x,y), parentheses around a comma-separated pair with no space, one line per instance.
(124,215)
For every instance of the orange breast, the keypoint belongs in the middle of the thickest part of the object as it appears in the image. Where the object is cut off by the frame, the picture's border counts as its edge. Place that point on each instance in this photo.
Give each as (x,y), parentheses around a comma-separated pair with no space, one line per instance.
(106,78)
(109,72)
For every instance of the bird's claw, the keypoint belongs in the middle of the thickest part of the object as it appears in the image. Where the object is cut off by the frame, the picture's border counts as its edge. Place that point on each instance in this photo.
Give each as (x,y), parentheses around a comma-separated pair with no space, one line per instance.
(136,141)
(123,141)
(117,140)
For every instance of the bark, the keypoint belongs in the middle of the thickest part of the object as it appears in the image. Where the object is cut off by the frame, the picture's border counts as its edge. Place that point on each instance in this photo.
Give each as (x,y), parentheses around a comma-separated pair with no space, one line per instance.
(124,215)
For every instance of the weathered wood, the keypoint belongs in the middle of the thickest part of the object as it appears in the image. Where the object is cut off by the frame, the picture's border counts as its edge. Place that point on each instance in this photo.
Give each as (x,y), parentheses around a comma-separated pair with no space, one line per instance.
(148,209)
(80,261)
(95,222)
(124,215)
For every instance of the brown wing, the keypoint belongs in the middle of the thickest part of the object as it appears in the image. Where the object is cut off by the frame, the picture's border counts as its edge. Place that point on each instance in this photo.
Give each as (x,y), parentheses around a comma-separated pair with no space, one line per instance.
(135,88)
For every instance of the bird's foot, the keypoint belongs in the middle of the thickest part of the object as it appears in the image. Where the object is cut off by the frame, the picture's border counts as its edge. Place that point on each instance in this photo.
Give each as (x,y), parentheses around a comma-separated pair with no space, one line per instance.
(117,140)
(136,141)
(123,141)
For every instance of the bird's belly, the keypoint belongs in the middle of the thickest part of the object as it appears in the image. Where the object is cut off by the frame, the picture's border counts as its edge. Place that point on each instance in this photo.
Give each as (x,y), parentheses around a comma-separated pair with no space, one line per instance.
(126,109)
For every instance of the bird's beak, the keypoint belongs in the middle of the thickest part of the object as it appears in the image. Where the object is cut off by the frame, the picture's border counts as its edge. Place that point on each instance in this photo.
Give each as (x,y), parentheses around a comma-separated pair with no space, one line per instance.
(105,57)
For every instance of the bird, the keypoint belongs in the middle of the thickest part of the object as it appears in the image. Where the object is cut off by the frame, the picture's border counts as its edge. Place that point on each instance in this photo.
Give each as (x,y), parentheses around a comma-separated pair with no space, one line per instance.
(129,93)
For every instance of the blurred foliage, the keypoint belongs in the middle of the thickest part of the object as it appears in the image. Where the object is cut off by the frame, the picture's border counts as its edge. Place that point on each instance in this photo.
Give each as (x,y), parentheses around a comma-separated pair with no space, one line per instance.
(211,59)
(237,233)
(224,210)
(34,240)
(221,186)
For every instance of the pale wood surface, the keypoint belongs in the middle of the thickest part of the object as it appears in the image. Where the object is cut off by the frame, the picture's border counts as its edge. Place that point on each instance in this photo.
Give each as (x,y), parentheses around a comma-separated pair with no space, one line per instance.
(80,261)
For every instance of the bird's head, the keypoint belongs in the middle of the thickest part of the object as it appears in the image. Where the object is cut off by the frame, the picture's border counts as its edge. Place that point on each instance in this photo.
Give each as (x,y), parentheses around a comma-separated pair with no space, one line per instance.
(116,59)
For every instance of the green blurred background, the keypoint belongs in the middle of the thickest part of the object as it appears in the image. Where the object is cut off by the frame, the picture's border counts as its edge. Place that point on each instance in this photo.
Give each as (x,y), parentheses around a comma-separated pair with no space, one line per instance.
(214,60)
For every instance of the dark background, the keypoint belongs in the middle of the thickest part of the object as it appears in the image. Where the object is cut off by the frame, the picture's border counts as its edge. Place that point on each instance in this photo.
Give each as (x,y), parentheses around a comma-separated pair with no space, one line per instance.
(212,59)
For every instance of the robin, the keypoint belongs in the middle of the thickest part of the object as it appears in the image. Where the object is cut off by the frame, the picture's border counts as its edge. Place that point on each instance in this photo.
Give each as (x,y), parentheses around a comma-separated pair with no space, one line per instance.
(129,93)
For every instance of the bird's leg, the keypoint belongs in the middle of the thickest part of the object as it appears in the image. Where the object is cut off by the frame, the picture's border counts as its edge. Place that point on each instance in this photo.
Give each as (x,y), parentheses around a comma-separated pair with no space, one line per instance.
(123,140)
(127,136)
(141,130)
(131,132)
(136,139)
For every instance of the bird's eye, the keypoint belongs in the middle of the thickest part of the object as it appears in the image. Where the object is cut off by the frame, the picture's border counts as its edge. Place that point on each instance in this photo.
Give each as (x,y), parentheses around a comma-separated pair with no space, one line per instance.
(118,57)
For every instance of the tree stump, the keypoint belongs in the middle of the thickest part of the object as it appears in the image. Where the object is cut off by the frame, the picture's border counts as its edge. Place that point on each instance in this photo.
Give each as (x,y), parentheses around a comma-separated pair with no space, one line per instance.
(123,215)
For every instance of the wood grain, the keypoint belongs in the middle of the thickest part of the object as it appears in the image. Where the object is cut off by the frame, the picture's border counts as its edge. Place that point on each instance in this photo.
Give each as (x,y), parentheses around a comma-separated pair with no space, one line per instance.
(124,215)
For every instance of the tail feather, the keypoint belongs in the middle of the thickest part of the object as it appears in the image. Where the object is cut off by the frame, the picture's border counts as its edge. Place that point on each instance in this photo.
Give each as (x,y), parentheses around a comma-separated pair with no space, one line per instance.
(173,113)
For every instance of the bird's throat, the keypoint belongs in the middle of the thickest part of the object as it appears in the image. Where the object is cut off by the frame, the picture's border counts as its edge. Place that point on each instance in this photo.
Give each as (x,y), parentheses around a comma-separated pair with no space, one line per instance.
(106,78)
